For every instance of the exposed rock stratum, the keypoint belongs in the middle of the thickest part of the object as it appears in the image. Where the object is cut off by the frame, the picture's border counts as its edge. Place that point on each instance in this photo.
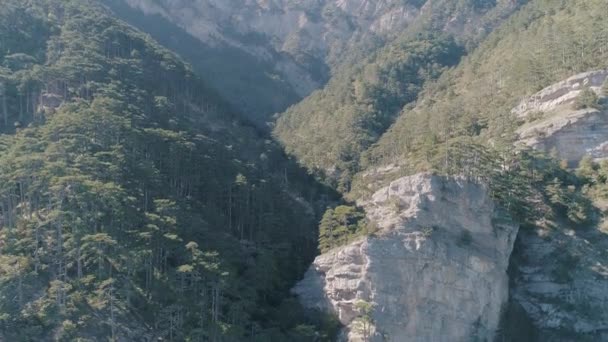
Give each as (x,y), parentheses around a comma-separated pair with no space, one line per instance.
(555,125)
(436,271)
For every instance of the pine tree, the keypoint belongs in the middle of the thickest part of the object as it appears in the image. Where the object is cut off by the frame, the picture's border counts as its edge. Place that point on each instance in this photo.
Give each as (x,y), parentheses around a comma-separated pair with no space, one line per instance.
(586,168)
(364,319)
(326,231)
(587,99)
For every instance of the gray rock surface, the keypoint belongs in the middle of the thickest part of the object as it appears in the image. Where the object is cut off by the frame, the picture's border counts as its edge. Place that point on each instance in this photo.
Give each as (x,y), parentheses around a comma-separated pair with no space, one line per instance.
(571,134)
(562,93)
(556,126)
(561,281)
(436,271)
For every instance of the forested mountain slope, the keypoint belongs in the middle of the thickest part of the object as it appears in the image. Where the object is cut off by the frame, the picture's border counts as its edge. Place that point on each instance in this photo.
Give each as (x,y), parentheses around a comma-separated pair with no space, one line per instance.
(250,84)
(330,129)
(399,104)
(522,113)
(138,202)
(546,41)
(134,205)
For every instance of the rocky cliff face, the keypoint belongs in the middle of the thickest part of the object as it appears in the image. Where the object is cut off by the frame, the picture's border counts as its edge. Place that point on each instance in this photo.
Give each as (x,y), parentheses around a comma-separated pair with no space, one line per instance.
(554,124)
(435,272)
(560,279)
(560,273)
(561,93)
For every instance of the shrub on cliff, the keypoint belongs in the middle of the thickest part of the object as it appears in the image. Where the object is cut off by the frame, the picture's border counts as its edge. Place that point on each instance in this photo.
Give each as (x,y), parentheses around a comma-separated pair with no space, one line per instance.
(587,99)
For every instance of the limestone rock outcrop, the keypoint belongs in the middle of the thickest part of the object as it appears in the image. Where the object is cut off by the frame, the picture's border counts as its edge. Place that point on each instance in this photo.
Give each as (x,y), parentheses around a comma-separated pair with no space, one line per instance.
(571,134)
(556,126)
(561,93)
(436,271)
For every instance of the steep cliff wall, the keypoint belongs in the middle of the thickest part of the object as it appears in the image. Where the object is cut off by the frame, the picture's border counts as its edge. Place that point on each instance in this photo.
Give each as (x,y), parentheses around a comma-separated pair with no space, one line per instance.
(436,271)
(560,279)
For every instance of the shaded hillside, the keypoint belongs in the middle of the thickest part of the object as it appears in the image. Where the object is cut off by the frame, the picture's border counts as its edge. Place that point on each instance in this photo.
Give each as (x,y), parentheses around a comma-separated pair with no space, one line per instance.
(133,204)
(250,84)
(285,48)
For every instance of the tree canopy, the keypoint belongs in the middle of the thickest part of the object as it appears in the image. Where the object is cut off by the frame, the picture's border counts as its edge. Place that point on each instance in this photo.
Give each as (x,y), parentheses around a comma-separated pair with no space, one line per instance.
(134,203)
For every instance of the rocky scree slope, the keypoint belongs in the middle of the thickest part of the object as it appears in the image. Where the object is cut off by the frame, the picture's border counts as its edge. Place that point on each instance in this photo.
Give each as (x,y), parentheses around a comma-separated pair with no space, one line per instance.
(436,271)
(560,274)
(560,279)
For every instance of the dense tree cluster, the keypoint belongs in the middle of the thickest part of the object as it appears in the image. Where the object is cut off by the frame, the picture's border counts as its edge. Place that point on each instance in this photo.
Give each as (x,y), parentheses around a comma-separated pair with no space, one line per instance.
(340,225)
(133,204)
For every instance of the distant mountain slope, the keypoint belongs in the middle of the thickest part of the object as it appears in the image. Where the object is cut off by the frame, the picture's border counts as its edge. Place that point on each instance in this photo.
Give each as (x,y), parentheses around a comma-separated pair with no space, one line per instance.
(265,56)
(134,205)
(288,49)
(250,84)
(309,33)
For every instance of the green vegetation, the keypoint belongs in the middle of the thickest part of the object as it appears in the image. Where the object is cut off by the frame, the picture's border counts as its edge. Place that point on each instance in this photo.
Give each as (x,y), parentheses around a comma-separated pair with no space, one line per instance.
(396,108)
(529,185)
(341,225)
(517,59)
(364,321)
(472,101)
(330,130)
(133,203)
(587,99)
(336,124)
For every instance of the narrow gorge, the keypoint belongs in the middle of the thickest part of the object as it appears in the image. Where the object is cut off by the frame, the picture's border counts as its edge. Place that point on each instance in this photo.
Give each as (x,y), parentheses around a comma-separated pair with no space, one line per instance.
(304,170)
